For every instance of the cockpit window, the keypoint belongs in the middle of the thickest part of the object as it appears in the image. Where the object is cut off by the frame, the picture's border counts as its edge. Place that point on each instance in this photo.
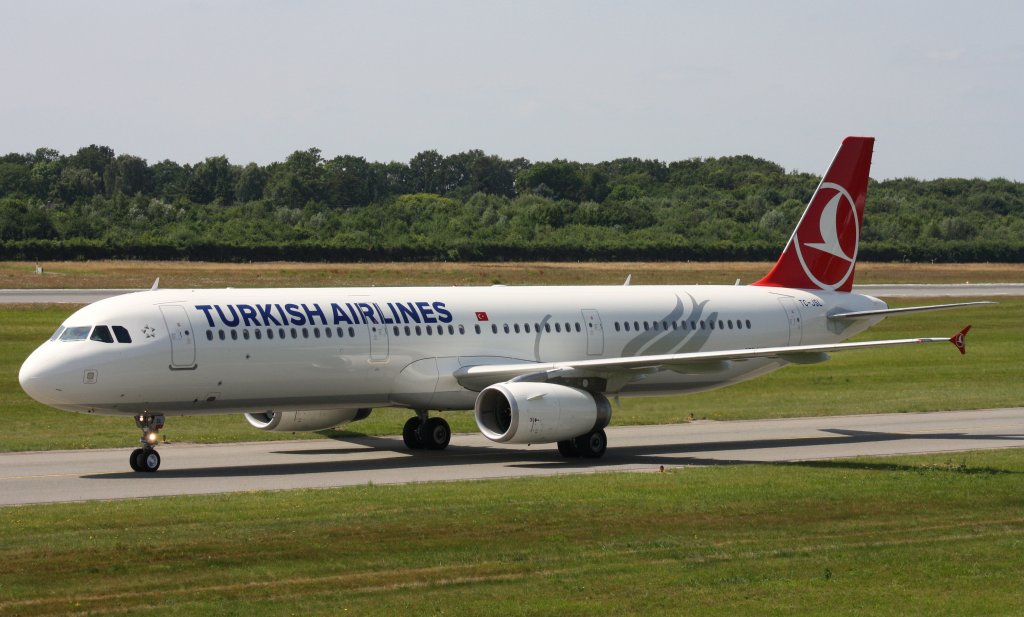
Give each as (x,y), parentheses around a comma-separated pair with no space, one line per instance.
(76,333)
(122,334)
(56,335)
(101,334)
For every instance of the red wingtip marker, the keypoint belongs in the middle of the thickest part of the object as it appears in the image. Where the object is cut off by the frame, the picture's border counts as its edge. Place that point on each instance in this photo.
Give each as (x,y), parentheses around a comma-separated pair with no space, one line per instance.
(959,339)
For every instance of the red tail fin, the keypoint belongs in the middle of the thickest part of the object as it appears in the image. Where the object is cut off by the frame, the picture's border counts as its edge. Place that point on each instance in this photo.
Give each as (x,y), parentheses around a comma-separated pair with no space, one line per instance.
(822,252)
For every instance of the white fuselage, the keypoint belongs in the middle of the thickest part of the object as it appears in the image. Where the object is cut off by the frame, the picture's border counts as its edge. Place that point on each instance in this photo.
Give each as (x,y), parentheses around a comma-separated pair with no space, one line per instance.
(254,350)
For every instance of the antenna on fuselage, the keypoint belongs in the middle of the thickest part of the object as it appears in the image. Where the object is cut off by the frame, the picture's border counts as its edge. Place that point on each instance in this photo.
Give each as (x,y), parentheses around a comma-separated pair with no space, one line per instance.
(156,284)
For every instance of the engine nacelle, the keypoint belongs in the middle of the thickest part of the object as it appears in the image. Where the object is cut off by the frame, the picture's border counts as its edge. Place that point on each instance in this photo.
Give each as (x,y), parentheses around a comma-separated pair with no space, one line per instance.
(303,421)
(538,412)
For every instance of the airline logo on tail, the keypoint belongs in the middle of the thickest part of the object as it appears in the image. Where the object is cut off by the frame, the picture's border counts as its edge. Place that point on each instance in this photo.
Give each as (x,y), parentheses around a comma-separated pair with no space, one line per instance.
(839,231)
(822,252)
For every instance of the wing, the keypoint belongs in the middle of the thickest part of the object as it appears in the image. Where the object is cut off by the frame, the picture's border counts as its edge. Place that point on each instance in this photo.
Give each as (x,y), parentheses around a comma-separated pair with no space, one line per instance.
(618,371)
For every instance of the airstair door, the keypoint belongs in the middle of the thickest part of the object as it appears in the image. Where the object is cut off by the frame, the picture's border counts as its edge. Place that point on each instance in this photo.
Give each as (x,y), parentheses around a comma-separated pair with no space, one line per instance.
(595,333)
(379,347)
(796,329)
(179,328)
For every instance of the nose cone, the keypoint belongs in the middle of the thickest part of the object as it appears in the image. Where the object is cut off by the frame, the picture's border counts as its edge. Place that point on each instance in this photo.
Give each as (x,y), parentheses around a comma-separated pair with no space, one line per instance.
(37,378)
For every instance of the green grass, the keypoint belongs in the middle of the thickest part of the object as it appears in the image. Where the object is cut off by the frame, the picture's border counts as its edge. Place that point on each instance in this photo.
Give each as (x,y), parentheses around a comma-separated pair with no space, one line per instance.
(930,535)
(912,378)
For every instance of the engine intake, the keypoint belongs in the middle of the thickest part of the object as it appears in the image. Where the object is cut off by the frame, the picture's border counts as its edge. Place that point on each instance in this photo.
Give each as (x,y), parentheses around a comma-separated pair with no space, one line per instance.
(304,421)
(538,412)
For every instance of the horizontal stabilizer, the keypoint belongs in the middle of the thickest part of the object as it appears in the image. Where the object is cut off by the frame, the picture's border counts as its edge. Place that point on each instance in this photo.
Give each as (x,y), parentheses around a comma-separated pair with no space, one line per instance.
(909,309)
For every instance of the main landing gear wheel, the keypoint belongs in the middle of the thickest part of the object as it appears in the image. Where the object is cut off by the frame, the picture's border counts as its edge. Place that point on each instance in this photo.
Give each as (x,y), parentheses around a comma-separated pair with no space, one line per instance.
(591,445)
(411,434)
(147,458)
(426,433)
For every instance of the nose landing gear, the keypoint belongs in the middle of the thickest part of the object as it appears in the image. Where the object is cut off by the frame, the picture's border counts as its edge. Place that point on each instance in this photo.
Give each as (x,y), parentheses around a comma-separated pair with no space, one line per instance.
(147,458)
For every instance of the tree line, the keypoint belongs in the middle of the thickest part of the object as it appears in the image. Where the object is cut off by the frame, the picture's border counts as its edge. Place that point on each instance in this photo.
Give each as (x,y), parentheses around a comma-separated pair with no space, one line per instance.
(469,206)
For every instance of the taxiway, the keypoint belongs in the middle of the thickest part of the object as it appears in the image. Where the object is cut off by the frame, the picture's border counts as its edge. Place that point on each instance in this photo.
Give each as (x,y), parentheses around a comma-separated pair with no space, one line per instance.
(189,469)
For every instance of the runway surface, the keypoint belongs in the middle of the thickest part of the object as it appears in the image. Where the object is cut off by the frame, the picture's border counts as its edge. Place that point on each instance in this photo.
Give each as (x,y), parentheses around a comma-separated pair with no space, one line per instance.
(85,296)
(84,475)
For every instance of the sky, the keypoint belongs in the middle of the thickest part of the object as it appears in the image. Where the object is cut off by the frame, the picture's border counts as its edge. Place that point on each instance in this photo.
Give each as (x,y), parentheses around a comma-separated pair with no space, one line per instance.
(939,84)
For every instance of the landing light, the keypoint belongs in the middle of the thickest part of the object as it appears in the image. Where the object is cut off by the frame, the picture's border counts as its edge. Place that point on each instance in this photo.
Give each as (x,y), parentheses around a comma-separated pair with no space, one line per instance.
(151,437)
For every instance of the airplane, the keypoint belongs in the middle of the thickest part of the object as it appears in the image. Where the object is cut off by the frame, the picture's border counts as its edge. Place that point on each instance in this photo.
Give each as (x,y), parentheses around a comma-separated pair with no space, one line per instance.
(535,364)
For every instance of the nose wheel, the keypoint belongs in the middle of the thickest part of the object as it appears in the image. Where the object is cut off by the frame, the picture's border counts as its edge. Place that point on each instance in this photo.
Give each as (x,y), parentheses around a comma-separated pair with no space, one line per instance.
(147,458)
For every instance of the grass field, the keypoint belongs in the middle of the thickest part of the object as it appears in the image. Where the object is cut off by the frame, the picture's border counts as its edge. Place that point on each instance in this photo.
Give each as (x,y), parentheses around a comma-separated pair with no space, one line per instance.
(925,535)
(914,378)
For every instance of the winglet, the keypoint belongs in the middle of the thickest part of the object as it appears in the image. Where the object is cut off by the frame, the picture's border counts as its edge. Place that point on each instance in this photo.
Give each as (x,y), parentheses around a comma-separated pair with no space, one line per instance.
(959,339)
(156,284)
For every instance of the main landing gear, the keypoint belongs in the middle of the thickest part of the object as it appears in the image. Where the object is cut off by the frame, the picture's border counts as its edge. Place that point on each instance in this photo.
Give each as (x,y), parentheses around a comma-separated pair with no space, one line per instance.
(423,432)
(147,458)
(591,445)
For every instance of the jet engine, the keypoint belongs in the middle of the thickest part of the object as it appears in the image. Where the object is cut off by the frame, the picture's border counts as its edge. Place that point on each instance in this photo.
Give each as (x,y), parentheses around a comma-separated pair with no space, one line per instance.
(538,412)
(303,421)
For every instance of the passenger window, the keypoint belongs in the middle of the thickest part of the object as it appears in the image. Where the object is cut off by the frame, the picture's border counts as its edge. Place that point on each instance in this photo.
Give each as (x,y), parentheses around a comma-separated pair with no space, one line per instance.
(220,334)
(270,334)
(258,334)
(476,327)
(245,333)
(209,335)
(748,324)
(234,335)
(397,331)
(462,329)
(122,336)
(101,334)
(351,332)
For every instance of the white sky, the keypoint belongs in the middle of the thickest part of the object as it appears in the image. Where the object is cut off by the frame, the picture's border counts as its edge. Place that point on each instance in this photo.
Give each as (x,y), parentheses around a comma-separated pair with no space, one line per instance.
(938,83)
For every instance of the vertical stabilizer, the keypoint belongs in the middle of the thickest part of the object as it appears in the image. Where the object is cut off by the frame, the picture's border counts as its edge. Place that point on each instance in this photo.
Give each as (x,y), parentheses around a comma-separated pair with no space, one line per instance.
(822,252)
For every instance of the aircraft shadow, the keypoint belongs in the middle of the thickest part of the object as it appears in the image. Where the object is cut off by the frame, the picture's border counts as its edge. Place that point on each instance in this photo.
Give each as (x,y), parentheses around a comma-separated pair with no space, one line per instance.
(546,457)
